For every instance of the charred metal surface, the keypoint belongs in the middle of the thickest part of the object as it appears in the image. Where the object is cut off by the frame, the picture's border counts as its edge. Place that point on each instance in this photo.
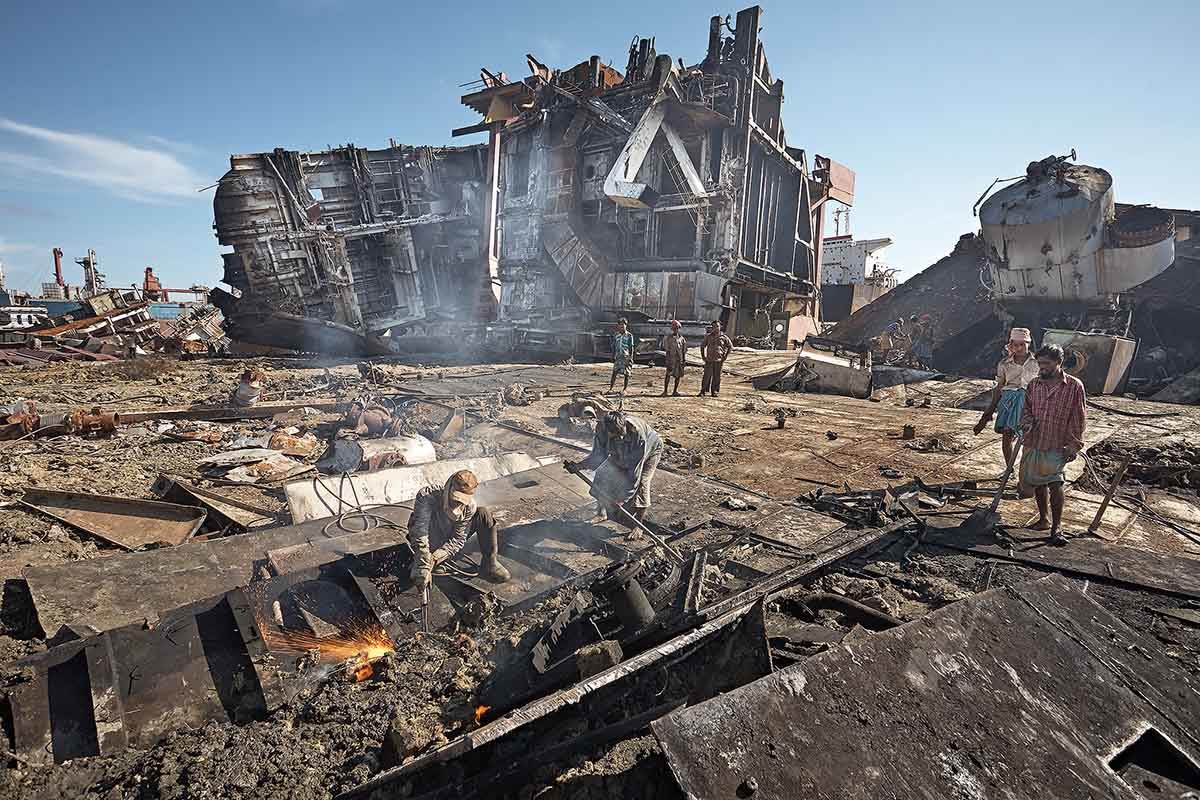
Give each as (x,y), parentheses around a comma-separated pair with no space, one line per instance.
(223,658)
(130,686)
(1008,692)
(104,593)
(701,663)
(1093,558)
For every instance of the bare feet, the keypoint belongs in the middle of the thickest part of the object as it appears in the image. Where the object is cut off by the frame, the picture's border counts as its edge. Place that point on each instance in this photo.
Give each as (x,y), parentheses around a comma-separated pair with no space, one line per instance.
(1040,525)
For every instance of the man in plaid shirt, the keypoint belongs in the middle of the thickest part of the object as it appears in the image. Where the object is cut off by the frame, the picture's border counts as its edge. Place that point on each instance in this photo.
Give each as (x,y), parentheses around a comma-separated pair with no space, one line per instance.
(1053,420)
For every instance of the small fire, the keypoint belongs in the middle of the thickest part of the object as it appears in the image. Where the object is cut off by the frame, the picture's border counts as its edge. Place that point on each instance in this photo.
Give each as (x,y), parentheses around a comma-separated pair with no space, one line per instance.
(479,712)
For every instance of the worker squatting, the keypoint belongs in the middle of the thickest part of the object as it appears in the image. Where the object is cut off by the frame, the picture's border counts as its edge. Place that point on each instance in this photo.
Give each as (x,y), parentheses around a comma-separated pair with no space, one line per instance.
(625,455)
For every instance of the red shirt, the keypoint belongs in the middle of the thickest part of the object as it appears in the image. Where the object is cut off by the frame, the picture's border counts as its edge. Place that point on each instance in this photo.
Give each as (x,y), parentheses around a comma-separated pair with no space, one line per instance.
(1057,408)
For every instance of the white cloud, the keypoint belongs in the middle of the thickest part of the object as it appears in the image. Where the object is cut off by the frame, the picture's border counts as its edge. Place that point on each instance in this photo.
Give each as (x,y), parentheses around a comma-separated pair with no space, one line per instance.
(8,248)
(183,148)
(149,174)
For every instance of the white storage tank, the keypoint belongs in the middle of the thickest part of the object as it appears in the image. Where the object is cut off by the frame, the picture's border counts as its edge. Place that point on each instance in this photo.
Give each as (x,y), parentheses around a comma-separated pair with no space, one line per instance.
(1051,236)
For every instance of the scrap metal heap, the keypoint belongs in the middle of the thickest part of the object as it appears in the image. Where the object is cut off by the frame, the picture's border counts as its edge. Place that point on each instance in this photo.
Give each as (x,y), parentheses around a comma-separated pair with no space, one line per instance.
(1114,284)
(254,607)
(662,192)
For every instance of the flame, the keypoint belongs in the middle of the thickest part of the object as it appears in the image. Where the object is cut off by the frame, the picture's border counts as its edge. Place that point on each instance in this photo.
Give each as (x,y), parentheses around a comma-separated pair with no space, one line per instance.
(359,669)
(479,712)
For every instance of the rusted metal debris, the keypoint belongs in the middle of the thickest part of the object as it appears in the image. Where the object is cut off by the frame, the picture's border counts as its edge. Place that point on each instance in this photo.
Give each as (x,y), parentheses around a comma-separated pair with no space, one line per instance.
(228,657)
(225,514)
(220,413)
(712,658)
(22,419)
(112,325)
(131,524)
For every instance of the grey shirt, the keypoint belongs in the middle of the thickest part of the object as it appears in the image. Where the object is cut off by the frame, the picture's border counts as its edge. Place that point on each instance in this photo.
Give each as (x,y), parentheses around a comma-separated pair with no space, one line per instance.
(628,453)
(430,525)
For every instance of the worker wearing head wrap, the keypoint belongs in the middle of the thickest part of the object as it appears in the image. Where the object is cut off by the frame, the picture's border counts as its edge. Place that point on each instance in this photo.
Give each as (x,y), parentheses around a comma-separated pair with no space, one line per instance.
(443,518)
(921,331)
(676,348)
(1013,374)
(625,454)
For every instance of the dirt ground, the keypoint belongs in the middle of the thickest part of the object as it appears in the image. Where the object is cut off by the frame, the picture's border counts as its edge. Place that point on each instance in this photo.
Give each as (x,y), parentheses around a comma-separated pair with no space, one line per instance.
(330,736)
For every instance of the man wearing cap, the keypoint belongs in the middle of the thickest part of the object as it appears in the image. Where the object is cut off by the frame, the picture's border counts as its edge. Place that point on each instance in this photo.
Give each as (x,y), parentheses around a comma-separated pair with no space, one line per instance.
(676,347)
(445,517)
(1013,374)
(625,454)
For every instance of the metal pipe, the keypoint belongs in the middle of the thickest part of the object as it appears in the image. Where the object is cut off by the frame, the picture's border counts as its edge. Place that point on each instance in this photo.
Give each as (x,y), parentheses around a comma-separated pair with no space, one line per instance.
(654,537)
(58,276)
(621,588)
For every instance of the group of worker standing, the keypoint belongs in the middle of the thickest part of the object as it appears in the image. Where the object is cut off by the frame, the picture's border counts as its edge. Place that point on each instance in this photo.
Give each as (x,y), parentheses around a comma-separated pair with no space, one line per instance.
(714,349)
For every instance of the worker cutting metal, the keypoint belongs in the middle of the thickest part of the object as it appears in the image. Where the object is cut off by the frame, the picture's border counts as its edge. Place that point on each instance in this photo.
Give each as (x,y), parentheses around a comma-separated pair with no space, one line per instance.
(625,454)
(445,517)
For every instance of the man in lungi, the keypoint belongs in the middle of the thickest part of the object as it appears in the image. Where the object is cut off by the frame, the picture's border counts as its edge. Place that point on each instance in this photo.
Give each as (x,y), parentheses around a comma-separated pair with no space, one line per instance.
(625,454)
(1053,419)
(676,348)
(622,346)
(1013,374)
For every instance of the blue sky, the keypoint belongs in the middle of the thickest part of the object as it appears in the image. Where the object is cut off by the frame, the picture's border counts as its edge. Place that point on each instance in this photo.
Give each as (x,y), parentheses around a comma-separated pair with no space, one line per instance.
(112,115)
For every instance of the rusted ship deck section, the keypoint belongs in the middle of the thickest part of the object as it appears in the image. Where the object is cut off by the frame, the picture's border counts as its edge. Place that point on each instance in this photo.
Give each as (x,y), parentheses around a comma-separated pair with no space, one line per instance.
(333,249)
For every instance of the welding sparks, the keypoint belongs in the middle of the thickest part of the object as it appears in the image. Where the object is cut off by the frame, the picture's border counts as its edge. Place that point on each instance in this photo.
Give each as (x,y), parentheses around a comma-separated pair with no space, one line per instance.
(367,643)
(479,712)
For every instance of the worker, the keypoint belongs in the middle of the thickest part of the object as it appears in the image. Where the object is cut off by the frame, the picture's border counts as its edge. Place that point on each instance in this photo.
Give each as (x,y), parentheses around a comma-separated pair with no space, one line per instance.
(676,347)
(625,454)
(1013,374)
(445,517)
(715,348)
(622,347)
(1054,418)
(921,330)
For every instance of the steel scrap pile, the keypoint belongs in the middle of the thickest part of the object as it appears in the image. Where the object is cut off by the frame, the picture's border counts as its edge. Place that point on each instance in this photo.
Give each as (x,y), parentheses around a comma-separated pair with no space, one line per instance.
(113,326)
(253,629)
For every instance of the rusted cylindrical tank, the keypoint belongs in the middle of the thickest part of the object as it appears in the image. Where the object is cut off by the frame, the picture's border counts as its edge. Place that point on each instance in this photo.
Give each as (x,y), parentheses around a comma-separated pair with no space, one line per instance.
(1044,231)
